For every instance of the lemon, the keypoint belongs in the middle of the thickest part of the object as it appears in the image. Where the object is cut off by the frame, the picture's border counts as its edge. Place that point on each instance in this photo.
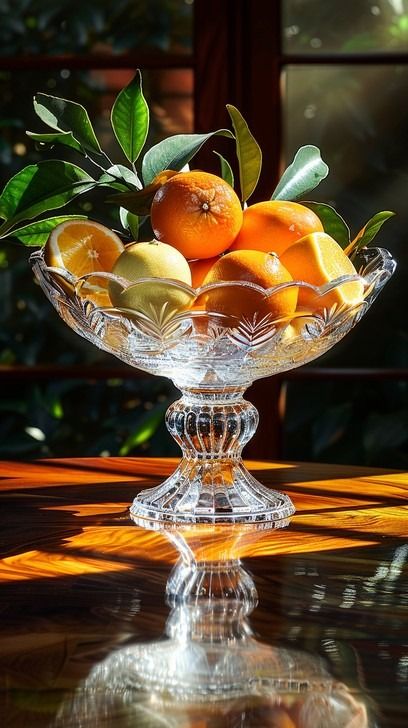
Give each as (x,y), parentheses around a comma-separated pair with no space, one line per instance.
(151,260)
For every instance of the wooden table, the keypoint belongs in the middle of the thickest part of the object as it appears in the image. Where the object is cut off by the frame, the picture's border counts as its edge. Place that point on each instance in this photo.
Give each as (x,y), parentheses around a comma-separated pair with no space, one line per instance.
(79,580)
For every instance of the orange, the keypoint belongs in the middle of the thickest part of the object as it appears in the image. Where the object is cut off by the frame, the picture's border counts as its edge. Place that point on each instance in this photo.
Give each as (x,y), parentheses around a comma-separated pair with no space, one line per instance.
(250,266)
(152,298)
(196,212)
(318,259)
(81,247)
(199,270)
(273,225)
(280,718)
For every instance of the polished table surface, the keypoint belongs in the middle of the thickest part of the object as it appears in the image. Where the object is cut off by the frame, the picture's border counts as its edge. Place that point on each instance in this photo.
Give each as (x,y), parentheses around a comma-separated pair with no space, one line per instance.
(80,583)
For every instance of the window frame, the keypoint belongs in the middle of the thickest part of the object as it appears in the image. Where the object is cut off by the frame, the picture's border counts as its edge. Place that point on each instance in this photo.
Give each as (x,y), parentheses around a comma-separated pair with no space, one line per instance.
(252,62)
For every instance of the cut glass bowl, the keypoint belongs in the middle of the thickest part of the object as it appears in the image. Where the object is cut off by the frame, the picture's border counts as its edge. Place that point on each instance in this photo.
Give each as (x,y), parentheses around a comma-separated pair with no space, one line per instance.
(212,358)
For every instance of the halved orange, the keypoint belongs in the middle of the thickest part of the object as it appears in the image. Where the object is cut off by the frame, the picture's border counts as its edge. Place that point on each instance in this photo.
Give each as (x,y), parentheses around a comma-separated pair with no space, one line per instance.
(82,247)
(318,259)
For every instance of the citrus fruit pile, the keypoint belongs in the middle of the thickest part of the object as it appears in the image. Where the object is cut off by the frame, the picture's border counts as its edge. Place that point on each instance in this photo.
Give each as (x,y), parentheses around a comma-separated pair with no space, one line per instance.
(201,237)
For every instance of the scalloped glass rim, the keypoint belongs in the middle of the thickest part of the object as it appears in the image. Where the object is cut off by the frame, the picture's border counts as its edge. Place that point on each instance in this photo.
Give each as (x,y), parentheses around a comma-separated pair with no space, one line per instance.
(368,276)
(126,284)
(199,348)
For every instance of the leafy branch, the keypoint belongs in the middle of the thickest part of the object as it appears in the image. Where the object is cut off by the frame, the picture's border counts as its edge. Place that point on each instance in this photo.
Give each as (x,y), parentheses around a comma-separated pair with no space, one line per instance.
(52,184)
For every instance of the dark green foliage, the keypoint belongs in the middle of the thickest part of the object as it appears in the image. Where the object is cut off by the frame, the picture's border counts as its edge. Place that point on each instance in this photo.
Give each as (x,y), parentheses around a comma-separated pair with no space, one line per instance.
(72,26)
(360,423)
(85,418)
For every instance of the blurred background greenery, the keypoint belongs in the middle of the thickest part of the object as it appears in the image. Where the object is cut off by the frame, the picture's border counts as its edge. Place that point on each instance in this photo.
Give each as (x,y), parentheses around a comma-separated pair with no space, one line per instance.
(350,104)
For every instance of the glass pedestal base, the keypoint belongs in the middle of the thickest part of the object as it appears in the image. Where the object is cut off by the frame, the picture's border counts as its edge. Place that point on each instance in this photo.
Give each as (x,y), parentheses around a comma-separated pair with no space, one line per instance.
(211,484)
(211,492)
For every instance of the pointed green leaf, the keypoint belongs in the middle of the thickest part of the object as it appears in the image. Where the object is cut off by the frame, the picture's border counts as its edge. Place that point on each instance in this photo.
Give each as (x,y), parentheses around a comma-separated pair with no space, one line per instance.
(369,231)
(226,171)
(64,115)
(303,175)
(147,427)
(37,233)
(39,188)
(129,222)
(130,118)
(174,152)
(333,223)
(120,178)
(248,152)
(56,408)
(63,137)
(139,201)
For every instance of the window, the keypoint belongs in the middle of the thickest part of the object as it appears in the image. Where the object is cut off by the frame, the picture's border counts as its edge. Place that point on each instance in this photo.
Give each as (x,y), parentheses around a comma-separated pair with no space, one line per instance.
(301,71)
(344,74)
(314,71)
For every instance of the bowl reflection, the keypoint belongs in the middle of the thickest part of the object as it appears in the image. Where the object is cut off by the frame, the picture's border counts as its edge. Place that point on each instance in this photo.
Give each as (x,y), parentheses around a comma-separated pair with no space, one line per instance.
(209,670)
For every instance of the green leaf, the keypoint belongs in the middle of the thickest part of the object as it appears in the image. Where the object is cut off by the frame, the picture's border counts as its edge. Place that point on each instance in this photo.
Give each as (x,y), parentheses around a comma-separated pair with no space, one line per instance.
(226,171)
(39,188)
(120,178)
(139,201)
(130,118)
(303,175)
(129,222)
(248,152)
(62,137)
(64,115)
(333,223)
(55,407)
(37,233)
(145,430)
(369,231)
(174,152)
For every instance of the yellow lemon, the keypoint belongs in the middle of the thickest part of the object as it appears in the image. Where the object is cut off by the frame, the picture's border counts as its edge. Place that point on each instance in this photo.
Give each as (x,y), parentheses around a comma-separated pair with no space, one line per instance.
(151,260)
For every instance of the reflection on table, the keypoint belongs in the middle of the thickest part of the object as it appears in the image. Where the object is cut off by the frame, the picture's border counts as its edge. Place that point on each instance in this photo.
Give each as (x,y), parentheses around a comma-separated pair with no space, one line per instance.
(105,623)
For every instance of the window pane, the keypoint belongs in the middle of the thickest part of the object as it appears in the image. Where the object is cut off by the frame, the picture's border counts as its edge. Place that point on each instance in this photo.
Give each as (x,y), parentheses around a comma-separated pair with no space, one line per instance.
(331,26)
(96,26)
(357,118)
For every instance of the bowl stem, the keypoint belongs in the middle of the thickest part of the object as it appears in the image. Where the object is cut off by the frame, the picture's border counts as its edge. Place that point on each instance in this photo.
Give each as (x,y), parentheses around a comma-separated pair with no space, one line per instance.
(211,483)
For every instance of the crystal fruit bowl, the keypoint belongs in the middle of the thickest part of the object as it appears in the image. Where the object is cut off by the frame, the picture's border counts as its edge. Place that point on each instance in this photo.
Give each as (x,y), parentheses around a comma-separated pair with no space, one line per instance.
(212,358)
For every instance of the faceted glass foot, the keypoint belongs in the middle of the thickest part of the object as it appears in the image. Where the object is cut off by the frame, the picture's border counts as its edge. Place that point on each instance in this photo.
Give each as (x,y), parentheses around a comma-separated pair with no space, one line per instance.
(208,492)
(211,484)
